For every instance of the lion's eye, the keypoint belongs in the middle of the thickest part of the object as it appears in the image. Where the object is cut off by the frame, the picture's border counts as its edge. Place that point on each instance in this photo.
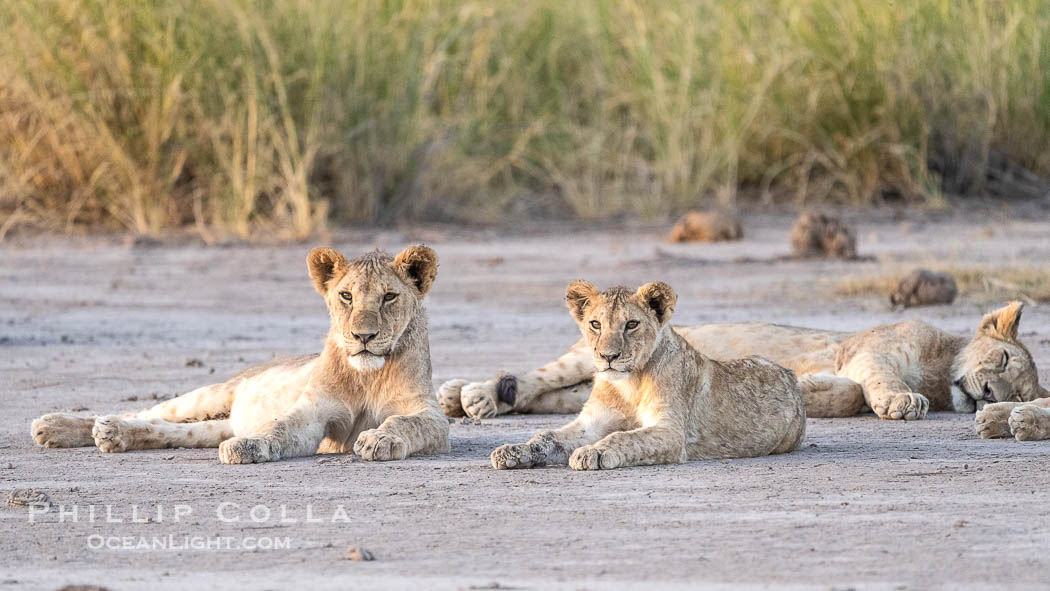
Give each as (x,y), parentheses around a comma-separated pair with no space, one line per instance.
(1006,359)
(633,324)
(596,325)
(346,297)
(390,297)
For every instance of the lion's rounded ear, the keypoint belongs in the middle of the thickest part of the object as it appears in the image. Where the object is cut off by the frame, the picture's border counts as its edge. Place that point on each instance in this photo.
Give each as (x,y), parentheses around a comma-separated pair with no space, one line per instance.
(1002,323)
(578,295)
(660,298)
(326,266)
(418,265)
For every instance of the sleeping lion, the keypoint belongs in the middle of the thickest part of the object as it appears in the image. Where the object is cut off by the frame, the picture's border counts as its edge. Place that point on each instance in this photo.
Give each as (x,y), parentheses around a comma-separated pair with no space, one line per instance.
(656,399)
(900,371)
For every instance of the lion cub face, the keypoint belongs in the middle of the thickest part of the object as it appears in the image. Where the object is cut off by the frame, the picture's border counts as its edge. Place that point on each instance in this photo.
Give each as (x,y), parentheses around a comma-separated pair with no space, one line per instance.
(372,299)
(622,327)
(995,366)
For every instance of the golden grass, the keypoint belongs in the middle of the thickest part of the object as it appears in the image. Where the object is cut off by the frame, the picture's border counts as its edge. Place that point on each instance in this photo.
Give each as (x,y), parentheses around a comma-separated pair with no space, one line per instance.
(265,118)
(984,284)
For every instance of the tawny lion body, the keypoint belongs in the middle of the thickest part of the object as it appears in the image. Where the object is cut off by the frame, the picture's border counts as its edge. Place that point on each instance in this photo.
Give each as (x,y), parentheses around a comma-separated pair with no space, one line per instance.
(900,370)
(368,391)
(656,400)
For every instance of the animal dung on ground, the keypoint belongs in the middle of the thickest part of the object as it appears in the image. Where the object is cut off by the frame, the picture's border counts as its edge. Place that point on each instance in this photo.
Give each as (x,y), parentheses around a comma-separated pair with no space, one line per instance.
(706,226)
(28,497)
(923,287)
(358,554)
(816,234)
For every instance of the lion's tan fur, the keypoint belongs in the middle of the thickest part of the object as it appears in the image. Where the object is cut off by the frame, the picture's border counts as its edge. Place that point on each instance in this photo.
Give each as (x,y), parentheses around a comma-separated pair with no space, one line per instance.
(656,400)
(369,390)
(706,226)
(923,287)
(1023,407)
(900,371)
(816,234)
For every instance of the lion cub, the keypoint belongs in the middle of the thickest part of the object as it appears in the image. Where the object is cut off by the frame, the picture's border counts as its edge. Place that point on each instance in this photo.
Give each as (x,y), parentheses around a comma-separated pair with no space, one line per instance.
(369,390)
(657,400)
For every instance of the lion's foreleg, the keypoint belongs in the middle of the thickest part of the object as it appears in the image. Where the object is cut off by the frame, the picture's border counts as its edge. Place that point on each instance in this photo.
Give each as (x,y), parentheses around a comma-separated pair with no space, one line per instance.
(114,434)
(1031,421)
(400,436)
(885,391)
(658,444)
(992,422)
(554,447)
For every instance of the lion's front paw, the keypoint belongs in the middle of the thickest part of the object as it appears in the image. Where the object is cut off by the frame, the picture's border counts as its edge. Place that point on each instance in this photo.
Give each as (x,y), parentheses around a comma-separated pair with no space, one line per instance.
(245,450)
(909,406)
(62,430)
(380,446)
(993,421)
(479,400)
(590,457)
(1029,423)
(512,456)
(111,434)
(449,398)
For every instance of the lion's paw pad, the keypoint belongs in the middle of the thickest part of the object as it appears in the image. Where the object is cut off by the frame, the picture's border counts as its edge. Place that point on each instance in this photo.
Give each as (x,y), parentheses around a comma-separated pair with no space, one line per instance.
(111,434)
(1026,423)
(244,450)
(479,400)
(62,430)
(512,456)
(450,399)
(380,446)
(590,457)
(992,423)
(908,406)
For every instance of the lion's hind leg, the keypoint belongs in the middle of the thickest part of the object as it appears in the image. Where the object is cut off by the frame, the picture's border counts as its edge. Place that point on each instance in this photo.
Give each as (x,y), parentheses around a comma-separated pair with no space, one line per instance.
(202,404)
(564,401)
(114,434)
(60,429)
(509,393)
(828,395)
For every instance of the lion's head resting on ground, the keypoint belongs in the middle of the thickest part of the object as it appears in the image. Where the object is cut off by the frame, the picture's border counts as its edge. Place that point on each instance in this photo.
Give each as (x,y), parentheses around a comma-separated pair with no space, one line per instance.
(995,366)
(372,299)
(622,327)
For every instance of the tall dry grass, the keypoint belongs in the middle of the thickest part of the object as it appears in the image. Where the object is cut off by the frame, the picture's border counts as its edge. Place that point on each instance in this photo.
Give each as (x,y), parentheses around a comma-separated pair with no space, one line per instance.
(265,118)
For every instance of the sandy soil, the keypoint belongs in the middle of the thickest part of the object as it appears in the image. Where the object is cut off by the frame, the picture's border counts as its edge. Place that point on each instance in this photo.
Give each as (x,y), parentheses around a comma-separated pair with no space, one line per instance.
(91,324)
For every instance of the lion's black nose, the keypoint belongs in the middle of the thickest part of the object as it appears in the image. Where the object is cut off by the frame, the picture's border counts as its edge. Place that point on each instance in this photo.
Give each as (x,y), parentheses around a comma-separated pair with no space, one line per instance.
(364,338)
(609,358)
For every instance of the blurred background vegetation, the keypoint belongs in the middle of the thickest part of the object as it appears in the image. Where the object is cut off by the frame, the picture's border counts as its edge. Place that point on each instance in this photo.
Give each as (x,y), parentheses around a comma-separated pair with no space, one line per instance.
(274,117)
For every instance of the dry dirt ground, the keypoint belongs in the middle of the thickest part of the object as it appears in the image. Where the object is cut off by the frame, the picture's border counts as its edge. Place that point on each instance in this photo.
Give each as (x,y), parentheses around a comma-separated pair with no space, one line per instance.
(96,326)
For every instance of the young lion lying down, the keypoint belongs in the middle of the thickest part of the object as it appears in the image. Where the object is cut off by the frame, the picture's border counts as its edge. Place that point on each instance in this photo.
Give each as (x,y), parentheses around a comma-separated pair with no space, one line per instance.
(656,400)
(369,390)
(898,370)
